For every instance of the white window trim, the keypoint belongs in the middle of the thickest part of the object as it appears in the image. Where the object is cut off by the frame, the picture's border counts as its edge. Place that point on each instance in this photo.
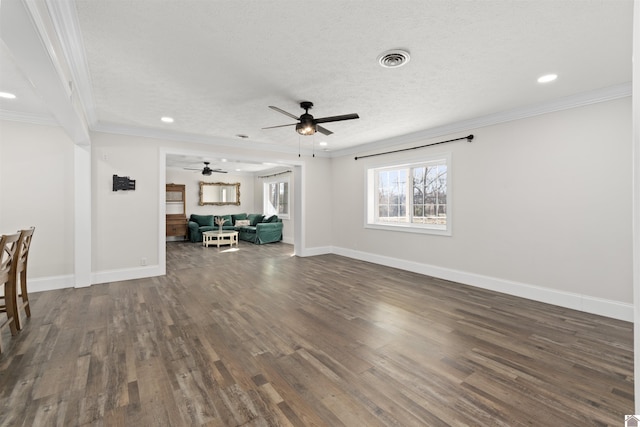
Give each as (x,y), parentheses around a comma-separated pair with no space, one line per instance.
(369,196)
(265,195)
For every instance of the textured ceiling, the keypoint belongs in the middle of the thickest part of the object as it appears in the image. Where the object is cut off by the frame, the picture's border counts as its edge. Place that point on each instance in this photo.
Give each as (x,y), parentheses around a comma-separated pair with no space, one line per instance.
(196,163)
(215,66)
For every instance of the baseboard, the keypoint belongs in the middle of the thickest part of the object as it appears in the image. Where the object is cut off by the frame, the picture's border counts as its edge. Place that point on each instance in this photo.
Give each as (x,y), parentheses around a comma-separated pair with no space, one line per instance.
(602,307)
(42,284)
(126,274)
(321,250)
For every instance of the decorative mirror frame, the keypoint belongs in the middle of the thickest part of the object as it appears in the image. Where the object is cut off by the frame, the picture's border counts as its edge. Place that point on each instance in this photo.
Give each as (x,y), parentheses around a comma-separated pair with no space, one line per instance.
(220,184)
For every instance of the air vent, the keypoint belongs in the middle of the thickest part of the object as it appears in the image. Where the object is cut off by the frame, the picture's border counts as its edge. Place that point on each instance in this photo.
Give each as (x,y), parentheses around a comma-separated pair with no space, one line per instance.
(394,58)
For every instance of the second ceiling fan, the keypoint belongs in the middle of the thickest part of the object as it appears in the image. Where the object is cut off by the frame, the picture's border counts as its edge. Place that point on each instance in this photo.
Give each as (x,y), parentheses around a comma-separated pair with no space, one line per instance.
(206,171)
(307,125)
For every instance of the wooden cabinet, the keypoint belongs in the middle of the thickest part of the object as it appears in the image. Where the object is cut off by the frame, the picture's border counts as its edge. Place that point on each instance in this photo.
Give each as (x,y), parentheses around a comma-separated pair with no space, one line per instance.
(176,211)
(177,227)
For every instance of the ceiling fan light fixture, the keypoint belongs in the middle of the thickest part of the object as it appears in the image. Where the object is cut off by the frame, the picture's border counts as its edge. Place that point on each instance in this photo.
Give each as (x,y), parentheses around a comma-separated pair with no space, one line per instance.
(305,128)
(394,58)
(307,125)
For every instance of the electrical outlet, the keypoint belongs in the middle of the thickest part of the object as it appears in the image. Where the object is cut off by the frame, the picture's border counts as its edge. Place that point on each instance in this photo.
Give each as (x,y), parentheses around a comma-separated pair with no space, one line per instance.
(143,261)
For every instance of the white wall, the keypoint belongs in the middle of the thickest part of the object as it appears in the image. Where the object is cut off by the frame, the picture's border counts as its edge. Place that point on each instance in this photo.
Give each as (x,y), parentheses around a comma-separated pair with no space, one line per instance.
(541,208)
(36,189)
(191,180)
(125,223)
(319,201)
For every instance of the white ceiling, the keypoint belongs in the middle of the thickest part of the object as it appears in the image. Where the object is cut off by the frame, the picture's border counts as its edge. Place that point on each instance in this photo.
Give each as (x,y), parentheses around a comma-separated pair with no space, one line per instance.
(234,166)
(215,66)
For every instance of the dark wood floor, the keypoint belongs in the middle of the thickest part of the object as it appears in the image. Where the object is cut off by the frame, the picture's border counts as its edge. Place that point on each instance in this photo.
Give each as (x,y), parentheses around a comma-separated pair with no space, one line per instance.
(258,337)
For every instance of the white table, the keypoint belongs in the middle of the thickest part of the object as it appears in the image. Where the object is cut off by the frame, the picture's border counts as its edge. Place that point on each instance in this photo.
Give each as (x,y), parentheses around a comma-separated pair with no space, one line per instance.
(218,238)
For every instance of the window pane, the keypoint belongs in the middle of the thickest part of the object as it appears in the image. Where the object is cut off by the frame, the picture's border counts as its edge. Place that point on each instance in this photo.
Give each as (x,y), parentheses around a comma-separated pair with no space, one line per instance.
(432,180)
(410,194)
(276,198)
(392,197)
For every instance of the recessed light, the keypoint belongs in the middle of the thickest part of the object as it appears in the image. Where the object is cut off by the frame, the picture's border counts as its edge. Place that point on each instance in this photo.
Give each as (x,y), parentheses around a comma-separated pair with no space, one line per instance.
(223,160)
(547,78)
(7,95)
(167,119)
(238,170)
(323,143)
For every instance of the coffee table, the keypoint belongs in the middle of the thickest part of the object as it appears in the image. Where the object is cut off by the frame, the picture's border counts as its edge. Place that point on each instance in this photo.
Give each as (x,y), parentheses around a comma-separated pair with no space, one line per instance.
(218,238)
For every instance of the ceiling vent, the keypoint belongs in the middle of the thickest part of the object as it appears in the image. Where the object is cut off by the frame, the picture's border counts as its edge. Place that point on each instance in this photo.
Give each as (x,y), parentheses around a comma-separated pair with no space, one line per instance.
(394,58)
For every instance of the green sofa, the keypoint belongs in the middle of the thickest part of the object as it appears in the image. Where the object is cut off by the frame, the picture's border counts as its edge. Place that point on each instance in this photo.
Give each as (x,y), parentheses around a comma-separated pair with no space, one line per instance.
(259,231)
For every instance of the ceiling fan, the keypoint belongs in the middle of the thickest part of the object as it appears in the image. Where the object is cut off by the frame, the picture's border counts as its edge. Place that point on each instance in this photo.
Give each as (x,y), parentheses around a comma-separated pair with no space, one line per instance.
(307,125)
(207,170)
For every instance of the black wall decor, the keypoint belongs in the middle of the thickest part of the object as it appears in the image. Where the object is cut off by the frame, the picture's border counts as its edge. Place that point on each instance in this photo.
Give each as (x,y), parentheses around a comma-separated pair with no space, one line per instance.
(123,183)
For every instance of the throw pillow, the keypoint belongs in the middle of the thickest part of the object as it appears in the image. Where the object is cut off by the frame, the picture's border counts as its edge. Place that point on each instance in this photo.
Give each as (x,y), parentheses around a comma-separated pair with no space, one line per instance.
(255,218)
(236,217)
(272,218)
(241,222)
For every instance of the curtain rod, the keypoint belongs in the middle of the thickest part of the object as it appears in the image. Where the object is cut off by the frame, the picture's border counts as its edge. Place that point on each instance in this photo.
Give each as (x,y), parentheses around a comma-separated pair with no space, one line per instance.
(275,174)
(468,138)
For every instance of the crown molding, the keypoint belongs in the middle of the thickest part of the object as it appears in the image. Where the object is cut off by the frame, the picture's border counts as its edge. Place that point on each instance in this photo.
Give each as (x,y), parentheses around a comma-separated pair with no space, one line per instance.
(578,100)
(203,139)
(574,101)
(36,119)
(67,27)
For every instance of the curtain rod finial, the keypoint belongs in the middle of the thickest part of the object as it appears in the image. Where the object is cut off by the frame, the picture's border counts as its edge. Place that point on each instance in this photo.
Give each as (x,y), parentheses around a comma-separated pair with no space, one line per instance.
(470,138)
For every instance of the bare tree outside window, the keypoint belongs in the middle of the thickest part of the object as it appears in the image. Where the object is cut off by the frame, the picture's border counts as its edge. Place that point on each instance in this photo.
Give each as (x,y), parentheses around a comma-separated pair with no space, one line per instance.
(430,194)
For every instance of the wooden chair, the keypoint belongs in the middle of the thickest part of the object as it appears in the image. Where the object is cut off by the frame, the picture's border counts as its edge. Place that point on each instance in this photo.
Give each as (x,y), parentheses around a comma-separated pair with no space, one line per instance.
(20,274)
(8,248)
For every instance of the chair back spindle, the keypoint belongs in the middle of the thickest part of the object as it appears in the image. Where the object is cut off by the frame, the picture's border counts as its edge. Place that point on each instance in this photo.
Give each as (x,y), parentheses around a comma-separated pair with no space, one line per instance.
(20,275)
(8,264)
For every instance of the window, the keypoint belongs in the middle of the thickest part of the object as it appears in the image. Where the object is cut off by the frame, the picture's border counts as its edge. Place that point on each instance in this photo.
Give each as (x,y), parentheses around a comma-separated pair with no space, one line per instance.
(411,197)
(276,198)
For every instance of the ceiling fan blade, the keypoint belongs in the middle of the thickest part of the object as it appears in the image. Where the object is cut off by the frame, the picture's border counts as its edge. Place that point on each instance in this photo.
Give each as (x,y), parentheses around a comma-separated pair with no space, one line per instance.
(279,126)
(281,111)
(218,171)
(323,131)
(337,118)
(192,169)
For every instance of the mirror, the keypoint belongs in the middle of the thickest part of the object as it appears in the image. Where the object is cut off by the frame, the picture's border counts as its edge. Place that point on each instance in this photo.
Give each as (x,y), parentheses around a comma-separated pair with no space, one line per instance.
(219,193)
